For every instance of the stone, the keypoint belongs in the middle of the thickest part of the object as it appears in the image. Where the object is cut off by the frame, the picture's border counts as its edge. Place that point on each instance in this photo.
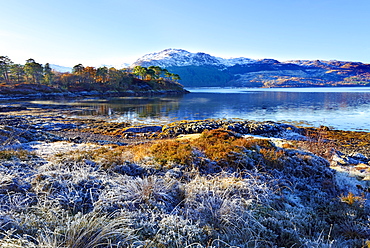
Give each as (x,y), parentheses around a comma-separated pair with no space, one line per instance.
(143,129)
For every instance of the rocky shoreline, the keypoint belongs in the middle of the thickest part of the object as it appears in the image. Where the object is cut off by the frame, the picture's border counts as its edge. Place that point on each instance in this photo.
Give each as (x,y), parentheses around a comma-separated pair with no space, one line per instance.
(77,94)
(19,124)
(231,183)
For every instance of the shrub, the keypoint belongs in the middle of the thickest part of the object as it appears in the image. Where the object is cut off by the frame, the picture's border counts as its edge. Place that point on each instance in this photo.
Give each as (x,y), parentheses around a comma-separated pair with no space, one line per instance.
(217,144)
(228,148)
(318,143)
(272,157)
(171,151)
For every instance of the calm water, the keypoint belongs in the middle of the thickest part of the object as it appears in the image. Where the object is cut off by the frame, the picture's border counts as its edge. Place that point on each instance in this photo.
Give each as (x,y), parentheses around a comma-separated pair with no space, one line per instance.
(341,108)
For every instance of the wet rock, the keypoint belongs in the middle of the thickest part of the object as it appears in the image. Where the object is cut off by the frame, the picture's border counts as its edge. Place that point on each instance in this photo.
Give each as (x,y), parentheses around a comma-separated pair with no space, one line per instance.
(109,142)
(9,108)
(143,129)
(13,135)
(266,128)
(54,126)
(76,139)
(12,121)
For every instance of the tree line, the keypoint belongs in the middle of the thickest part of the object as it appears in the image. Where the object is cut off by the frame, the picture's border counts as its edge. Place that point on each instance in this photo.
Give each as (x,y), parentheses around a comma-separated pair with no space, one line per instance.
(85,78)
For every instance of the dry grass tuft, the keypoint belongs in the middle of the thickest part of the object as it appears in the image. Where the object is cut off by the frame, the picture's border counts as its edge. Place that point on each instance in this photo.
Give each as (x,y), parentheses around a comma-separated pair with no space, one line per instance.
(15,154)
(89,230)
(318,143)
(272,157)
(352,199)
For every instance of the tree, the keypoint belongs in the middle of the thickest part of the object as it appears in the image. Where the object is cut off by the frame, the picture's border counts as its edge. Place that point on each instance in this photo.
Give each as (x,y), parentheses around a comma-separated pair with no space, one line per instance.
(167,73)
(157,70)
(48,74)
(33,70)
(172,76)
(102,74)
(66,80)
(119,79)
(175,77)
(17,72)
(78,69)
(90,74)
(5,65)
(150,74)
(140,71)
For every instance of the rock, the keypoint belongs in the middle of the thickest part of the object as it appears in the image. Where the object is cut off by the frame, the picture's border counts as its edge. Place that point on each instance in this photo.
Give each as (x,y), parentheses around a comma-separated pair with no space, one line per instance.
(359,157)
(267,128)
(10,108)
(143,129)
(76,139)
(54,126)
(13,135)
(340,158)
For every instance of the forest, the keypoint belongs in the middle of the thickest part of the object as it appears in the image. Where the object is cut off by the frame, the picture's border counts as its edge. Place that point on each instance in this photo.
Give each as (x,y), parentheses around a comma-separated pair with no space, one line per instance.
(17,77)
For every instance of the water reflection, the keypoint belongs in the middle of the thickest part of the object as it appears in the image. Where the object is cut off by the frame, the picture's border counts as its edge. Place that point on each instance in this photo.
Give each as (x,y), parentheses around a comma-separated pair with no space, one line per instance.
(343,109)
(131,107)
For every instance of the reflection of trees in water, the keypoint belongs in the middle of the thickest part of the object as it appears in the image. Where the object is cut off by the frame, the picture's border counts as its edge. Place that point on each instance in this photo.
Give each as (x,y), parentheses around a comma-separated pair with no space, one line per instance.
(142,106)
(159,107)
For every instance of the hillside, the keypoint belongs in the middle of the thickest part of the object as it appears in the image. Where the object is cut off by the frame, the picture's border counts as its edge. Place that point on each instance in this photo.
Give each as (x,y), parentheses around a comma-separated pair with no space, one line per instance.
(204,70)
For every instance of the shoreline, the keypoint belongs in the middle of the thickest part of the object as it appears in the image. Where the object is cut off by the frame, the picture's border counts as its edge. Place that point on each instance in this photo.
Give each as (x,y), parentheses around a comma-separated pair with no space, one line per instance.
(63,122)
(91,168)
(90,94)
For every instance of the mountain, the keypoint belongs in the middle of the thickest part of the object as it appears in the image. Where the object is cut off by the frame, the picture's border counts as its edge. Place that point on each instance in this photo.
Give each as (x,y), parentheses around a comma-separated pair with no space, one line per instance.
(204,70)
(179,57)
(61,68)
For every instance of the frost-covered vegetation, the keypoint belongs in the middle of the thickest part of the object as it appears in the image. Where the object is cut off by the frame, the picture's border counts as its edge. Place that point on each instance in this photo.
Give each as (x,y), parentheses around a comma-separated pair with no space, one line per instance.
(214,189)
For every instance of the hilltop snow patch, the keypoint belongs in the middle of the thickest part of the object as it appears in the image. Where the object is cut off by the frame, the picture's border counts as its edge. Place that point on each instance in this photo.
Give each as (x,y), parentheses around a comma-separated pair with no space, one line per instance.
(179,57)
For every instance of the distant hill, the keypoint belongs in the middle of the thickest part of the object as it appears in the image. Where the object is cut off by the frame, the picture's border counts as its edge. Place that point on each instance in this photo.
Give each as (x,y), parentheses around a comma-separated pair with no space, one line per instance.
(204,70)
(61,68)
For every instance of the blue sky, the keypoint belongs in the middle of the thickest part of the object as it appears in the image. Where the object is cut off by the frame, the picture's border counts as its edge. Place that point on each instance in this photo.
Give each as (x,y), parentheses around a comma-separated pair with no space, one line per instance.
(113,32)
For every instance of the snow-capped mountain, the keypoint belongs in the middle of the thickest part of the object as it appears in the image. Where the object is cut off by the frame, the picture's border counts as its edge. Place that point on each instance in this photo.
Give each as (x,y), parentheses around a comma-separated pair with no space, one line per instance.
(180,57)
(201,69)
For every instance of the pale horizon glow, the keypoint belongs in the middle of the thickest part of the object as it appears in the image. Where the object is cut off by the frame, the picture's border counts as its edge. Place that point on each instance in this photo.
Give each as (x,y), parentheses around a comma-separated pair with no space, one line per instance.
(115,32)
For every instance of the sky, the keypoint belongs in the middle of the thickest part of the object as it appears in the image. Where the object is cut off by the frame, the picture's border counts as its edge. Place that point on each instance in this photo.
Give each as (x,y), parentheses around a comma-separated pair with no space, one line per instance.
(114,32)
